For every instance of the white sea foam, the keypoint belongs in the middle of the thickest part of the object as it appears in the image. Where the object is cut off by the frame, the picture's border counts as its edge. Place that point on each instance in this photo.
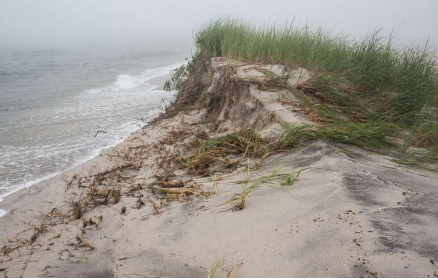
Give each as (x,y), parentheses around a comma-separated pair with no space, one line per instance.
(125,81)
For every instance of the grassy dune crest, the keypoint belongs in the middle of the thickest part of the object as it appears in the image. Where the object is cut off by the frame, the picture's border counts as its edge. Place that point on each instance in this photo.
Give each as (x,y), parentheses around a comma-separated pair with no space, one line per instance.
(372,66)
(374,84)
(366,92)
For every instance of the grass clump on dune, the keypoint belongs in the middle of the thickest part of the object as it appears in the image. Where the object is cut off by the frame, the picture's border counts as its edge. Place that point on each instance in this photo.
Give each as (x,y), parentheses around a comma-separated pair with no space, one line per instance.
(371,135)
(377,91)
(217,150)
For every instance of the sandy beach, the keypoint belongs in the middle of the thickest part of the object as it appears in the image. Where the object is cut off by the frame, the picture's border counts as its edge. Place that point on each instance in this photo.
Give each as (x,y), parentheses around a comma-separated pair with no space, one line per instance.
(137,210)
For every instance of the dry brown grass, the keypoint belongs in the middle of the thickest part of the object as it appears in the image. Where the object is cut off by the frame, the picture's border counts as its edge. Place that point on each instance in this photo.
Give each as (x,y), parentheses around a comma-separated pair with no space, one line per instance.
(217,151)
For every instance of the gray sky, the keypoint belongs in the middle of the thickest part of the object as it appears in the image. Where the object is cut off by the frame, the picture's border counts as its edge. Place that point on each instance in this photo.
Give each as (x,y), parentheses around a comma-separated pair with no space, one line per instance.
(56,23)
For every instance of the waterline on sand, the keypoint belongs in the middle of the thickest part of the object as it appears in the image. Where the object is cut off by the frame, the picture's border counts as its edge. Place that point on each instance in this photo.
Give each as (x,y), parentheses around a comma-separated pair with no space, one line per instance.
(140,87)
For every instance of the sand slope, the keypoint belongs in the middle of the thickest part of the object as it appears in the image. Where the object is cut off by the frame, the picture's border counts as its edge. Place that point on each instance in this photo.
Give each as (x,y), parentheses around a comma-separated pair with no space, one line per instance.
(350,213)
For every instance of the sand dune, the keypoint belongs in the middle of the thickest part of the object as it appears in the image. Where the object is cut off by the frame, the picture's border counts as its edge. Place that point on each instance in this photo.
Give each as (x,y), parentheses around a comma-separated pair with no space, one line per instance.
(140,210)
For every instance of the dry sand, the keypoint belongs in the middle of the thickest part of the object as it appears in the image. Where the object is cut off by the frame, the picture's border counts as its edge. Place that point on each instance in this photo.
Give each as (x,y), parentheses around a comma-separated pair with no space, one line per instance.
(350,213)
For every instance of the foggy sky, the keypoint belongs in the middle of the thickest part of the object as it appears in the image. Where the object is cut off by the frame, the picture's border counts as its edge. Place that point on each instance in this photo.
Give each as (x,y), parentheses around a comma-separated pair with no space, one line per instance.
(58,23)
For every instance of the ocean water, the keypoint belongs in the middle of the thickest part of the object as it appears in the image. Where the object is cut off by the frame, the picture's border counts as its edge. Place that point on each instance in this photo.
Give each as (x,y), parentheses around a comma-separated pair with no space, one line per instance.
(53,102)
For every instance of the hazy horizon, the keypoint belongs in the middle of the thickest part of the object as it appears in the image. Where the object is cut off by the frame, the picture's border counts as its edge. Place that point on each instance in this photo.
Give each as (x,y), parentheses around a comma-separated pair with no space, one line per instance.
(73,23)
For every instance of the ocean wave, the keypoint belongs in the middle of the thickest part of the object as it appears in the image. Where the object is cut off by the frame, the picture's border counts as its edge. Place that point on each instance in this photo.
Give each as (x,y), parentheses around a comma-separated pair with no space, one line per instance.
(125,81)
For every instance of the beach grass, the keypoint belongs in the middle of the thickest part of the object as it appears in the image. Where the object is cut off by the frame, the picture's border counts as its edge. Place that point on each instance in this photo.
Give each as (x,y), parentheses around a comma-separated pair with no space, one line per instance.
(377,91)
(372,66)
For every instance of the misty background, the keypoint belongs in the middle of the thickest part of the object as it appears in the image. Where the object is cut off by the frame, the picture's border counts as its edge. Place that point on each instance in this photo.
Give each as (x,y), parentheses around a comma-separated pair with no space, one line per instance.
(97,23)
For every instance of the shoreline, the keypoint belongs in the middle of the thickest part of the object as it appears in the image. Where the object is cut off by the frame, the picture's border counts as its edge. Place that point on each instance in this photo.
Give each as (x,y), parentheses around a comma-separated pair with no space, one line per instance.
(157,84)
(145,209)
